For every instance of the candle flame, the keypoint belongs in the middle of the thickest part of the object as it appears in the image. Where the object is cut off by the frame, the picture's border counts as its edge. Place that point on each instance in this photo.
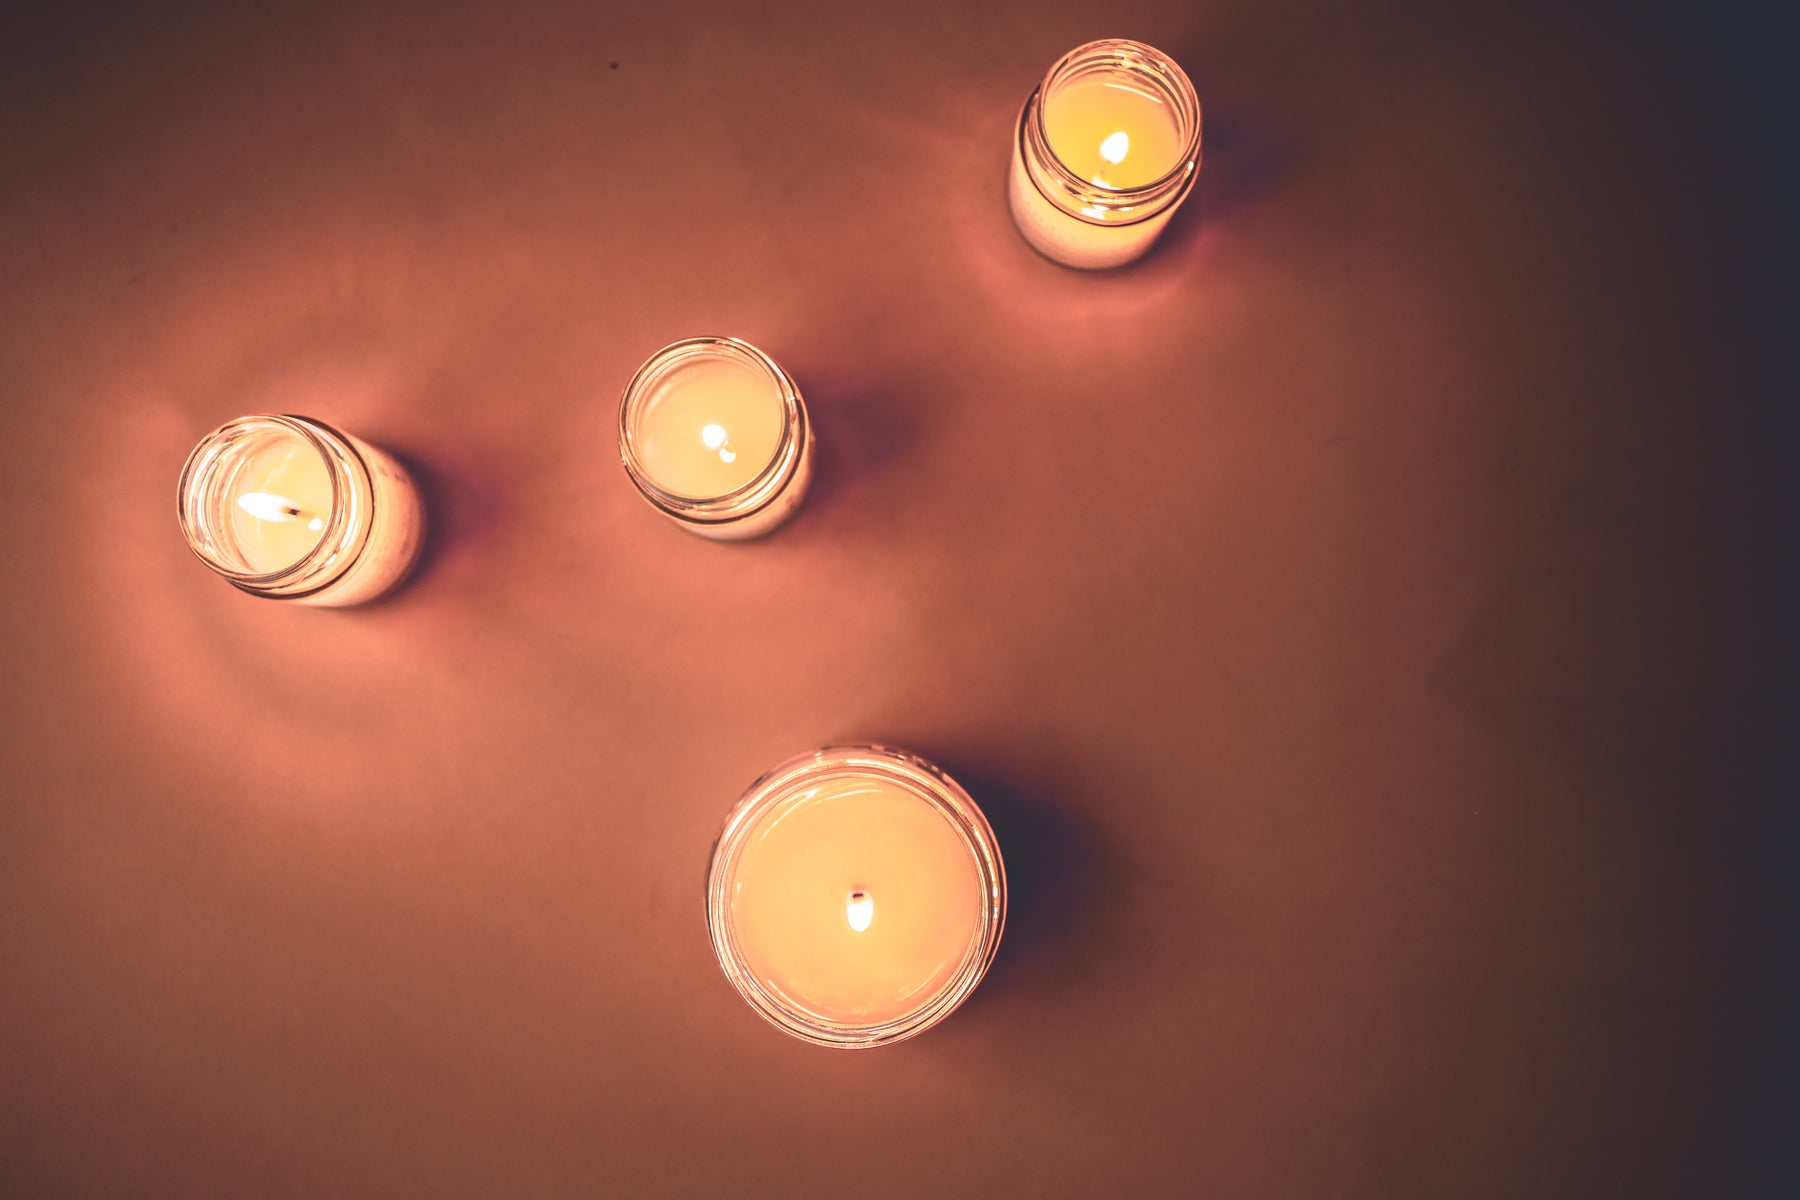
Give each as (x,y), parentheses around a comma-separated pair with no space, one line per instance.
(860,908)
(1115,147)
(265,507)
(714,437)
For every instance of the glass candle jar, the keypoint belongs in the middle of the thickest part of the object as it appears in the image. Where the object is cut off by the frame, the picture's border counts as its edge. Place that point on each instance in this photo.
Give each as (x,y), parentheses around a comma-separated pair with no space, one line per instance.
(714,435)
(856,896)
(1107,148)
(289,508)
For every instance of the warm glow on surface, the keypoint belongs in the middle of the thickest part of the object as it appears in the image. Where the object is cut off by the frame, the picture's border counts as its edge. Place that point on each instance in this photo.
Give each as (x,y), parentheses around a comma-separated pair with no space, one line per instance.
(267,507)
(860,908)
(1115,148)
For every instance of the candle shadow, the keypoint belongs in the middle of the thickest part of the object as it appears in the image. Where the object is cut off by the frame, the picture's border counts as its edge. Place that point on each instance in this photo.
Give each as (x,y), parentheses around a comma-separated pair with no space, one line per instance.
(1246,152)
(1057,873)
(860,431)
(457,510)
(1242,162)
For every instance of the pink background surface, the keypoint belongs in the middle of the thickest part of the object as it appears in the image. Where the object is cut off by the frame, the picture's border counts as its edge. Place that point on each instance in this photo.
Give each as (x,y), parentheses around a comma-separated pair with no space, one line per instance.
(1357,619)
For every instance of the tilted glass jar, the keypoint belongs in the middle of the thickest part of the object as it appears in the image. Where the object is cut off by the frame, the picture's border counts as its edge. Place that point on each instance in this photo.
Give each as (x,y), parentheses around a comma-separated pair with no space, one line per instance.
(1080,220)
(350,531)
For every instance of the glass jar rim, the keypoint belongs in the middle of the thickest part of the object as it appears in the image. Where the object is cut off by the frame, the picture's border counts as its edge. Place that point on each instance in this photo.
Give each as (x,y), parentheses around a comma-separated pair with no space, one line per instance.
(1157,195)
(918,777)
(747,498)
(340,543)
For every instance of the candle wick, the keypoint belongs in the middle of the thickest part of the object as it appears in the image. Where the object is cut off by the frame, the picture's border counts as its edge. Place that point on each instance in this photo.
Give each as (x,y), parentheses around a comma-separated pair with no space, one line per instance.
(860,909)
(714,437)
(1113,149)
(266,507)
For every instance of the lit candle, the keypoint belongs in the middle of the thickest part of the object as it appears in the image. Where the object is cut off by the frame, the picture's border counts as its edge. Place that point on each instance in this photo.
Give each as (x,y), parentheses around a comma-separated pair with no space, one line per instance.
(1107,148)
(715,436)
(856,896)
(289,508)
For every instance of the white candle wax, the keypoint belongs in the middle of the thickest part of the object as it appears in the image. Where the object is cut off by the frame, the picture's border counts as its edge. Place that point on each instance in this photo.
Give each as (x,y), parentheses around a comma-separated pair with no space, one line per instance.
(856,896)
(1113,132)
(280,497)
(715,436)
(709,428)
(856,900)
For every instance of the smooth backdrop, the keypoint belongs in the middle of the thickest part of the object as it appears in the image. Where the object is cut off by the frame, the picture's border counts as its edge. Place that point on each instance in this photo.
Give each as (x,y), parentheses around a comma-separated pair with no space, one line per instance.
(1362,619)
